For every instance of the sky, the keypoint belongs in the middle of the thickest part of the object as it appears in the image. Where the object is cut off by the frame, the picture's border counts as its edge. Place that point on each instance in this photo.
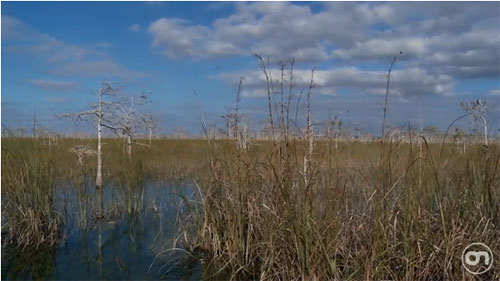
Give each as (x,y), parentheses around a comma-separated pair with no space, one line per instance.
(190,56)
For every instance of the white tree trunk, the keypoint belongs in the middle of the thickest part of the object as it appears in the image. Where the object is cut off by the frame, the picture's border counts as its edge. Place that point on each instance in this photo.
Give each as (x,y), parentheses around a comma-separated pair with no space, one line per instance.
(129,146)
(98,181)
(309,136)
(485,131)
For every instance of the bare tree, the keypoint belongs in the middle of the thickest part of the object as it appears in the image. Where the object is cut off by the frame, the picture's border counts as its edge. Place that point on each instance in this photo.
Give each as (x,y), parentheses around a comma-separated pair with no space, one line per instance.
(309,133)
(459,137)
(151,124)
(180,133)
(126,119)
(433,133)
(478,109)
(97,112)
(229,119)
(335,125)
(45,134)
(21,132)
(82,152)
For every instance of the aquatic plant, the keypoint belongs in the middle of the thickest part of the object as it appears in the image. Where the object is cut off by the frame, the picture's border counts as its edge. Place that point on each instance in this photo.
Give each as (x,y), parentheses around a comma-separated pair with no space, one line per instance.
(294,209)
(28,181)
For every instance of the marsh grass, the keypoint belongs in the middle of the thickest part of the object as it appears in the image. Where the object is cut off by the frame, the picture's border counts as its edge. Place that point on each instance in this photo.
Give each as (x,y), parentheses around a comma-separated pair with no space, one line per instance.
(368,211)
(401,211)
(28,181)
(32,172)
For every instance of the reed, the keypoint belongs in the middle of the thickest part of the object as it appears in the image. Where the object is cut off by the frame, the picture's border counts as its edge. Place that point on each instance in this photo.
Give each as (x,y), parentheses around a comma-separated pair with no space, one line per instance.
(365,211)
(295,208)
(28,181)
(33,172)
(388,217)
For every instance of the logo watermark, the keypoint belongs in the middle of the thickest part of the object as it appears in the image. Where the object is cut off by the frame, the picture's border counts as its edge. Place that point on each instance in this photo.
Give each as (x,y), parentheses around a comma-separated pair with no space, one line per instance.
(477,258)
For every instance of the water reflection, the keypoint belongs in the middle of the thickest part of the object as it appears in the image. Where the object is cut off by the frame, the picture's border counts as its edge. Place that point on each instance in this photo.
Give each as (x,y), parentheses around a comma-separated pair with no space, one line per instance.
(126,242)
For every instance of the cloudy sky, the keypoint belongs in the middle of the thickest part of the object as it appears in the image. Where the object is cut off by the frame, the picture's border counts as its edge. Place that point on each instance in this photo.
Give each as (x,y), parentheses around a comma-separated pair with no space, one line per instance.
(191,56)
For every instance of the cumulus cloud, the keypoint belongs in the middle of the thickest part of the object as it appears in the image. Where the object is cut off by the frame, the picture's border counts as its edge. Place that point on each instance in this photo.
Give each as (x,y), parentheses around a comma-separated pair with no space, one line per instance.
(468,55)
(272,29)
(384,48)
(179,38)
(406,82)
(454,39)
(53,86)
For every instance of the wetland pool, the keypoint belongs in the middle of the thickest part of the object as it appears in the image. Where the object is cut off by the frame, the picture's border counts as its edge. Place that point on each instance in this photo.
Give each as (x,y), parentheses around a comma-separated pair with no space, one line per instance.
(128,242)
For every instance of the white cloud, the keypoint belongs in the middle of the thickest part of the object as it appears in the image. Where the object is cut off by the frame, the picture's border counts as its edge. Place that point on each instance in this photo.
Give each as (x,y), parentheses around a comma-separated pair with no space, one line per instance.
(179,38)
(275,29)
(52,86)
(384,48)
(454,39)
(103,68)
(404,83)
(135,28)
(14,29)
(61,58)
(494,92)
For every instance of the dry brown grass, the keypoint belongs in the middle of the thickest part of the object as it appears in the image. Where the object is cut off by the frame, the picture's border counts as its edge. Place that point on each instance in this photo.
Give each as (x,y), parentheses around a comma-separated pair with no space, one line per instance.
(366,213)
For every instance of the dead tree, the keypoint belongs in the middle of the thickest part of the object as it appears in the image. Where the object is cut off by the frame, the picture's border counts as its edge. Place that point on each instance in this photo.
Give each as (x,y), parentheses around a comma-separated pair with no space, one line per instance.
(334,128)
(97,112)
(309,134)
(151,124)
(459,137)
(123,121)
(478,109)
(82,152)
(126,119)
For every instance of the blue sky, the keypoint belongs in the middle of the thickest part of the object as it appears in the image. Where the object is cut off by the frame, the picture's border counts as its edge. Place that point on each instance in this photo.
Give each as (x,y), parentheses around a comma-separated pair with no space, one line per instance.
(54,54)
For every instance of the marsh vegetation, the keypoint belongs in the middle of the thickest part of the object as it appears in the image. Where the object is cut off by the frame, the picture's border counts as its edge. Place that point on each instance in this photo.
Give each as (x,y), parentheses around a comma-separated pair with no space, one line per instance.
(292,205)
(366,211)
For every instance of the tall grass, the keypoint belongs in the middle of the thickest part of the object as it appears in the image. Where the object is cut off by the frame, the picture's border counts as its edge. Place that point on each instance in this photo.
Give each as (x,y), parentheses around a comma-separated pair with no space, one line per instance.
(33,171)
(28,181)
(295,208)
(366,212)
(389,216)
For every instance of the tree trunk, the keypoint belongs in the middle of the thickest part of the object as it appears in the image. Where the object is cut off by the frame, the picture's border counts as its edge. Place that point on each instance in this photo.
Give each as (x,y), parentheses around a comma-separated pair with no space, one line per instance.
(309,136)
(129,146)
(98,181)
(150,136)
(485,131)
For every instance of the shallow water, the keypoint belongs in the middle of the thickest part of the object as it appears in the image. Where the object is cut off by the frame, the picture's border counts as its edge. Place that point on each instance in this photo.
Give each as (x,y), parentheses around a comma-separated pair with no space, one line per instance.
(129,243)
